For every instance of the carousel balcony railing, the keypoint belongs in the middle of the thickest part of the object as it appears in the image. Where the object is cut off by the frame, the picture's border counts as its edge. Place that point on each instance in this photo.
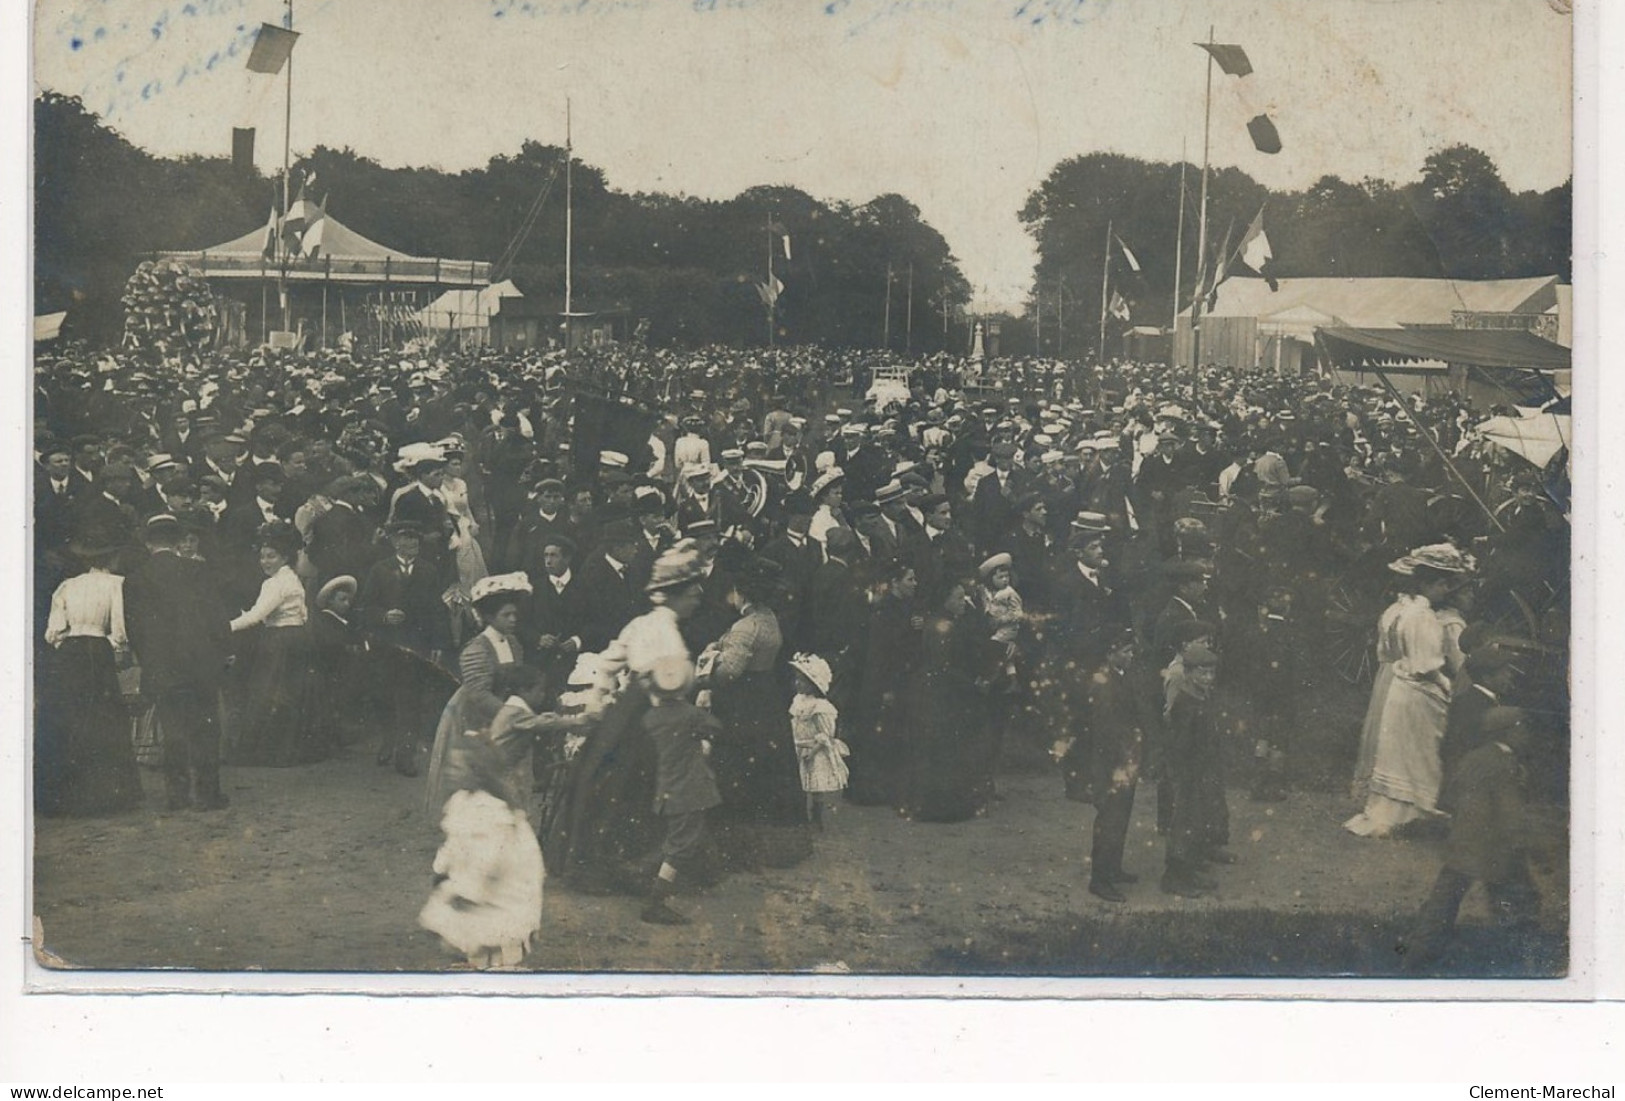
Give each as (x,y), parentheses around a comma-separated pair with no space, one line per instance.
(389,269)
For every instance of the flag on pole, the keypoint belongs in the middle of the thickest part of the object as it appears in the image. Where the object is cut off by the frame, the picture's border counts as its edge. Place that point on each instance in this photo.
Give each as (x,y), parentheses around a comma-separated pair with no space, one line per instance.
(268,249)
(786,240)
(1133,261)
(1232,59)
(272,48)
(1266,139)
(769,292)
(1255,245)
(1255,250)
(242,148)
(310,242)
(1119,308)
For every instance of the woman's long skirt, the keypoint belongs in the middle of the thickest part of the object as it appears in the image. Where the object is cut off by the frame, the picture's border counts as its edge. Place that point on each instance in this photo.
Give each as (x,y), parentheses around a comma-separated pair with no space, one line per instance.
(274,728)
(84,759)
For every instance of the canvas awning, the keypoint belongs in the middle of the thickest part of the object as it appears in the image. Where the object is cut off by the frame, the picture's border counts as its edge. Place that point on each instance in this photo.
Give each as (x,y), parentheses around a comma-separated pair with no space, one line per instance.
(1534,434)
(48,326)
(1490,348)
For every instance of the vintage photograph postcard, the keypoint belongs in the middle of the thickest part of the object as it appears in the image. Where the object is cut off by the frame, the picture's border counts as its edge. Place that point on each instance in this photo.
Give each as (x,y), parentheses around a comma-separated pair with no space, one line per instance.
(638,491)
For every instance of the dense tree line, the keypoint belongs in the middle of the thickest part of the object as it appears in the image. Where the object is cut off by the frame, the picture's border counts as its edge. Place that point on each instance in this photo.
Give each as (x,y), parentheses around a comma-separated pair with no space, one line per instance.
(691,266)
(1458,220)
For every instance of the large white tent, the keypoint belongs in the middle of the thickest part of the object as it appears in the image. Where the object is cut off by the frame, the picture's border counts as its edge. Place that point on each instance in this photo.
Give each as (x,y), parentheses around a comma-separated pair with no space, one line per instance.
(462,310)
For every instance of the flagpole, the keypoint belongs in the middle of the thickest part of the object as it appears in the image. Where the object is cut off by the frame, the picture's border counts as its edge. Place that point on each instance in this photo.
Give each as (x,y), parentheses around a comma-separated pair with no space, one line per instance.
(1105,284)
(287,173)
(569,231)
(1201,224)
(1179,254)
(888,306)
(1060,315)
(908,337)
(772,295)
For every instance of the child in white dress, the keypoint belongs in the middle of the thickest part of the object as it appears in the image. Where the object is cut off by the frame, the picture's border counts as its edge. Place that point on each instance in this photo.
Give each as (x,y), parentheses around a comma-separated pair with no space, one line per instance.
(487,898)
(814,723)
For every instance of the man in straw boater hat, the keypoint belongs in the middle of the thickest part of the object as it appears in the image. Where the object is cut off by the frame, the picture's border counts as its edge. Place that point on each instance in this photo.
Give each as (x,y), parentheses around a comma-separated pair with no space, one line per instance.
(180,630)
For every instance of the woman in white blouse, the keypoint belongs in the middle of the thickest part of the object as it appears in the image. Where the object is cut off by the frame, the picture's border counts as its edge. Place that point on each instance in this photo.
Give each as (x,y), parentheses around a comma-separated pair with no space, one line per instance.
(84,760)
(277,679)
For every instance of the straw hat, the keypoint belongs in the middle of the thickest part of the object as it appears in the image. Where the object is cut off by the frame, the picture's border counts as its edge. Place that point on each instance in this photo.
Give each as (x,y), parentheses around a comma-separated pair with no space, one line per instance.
(815,669)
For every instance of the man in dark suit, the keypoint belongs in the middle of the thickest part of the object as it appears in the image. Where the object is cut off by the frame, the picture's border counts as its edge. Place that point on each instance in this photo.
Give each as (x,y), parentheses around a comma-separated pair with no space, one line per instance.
(939,550)
(180,630)
(400,603)
(344,539)
(610,588)
(560,609)
(835,614)
(1117,729)
(993,511)
(1188,603)
(798,557)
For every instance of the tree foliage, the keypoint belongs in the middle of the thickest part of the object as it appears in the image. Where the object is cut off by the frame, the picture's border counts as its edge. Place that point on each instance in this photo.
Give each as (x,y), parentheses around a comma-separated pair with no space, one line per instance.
(691,266)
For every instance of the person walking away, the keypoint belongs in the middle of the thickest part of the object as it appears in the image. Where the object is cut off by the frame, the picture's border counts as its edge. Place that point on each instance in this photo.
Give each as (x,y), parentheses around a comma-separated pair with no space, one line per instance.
(84,762)
(180,630)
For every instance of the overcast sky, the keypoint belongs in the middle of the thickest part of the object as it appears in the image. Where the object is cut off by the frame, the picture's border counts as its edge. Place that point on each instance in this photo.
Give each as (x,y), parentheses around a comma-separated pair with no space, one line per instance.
(963,106)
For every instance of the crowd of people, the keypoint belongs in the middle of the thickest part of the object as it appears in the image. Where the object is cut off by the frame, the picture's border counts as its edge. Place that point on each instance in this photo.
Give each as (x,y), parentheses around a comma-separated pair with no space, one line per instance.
(674,645)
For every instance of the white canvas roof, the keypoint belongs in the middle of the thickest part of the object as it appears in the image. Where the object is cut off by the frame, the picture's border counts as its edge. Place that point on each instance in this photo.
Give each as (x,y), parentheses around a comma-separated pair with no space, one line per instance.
(467,309)
(1384,303)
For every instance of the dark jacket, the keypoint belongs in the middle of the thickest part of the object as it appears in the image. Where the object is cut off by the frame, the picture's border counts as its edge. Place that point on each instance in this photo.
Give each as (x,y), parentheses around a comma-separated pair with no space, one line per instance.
(178,623)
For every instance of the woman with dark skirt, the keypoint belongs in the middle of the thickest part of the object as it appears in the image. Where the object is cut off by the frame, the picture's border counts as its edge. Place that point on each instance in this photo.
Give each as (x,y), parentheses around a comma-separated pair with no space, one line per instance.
(763,816)
(275,728)
(84,761)
(878,729)
(949,761)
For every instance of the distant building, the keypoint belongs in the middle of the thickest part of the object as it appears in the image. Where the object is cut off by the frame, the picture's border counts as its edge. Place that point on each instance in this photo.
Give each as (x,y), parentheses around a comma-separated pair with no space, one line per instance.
(338,282)
(1251,326)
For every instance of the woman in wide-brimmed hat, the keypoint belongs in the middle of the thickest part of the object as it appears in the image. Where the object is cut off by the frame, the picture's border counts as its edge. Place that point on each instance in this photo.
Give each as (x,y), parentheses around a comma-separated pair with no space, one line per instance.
(499,603)
(84,761)
(1406,720)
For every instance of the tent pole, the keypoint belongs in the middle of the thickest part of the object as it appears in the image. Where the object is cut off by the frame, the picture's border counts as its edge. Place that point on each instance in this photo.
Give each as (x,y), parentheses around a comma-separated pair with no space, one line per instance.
(1179,256)
(1405,407)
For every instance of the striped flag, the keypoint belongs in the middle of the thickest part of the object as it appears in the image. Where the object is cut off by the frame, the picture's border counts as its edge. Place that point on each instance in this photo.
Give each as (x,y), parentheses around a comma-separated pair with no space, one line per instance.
(1119,307)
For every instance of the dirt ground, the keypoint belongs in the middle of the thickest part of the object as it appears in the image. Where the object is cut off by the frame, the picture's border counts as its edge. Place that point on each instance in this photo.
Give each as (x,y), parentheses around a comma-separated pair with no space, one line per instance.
(324,868)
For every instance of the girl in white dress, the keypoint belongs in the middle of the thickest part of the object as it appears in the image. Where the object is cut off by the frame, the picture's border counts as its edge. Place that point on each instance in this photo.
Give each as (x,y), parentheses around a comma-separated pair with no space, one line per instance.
(814,723)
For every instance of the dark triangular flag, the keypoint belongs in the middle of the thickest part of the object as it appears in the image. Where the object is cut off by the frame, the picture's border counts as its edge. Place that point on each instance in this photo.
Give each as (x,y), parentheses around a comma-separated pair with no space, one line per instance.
(1232,59)
(242,149)
(1265,137)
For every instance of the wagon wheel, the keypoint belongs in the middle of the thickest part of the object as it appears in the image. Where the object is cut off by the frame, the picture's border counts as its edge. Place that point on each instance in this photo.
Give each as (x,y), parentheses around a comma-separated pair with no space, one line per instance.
(1351,631)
